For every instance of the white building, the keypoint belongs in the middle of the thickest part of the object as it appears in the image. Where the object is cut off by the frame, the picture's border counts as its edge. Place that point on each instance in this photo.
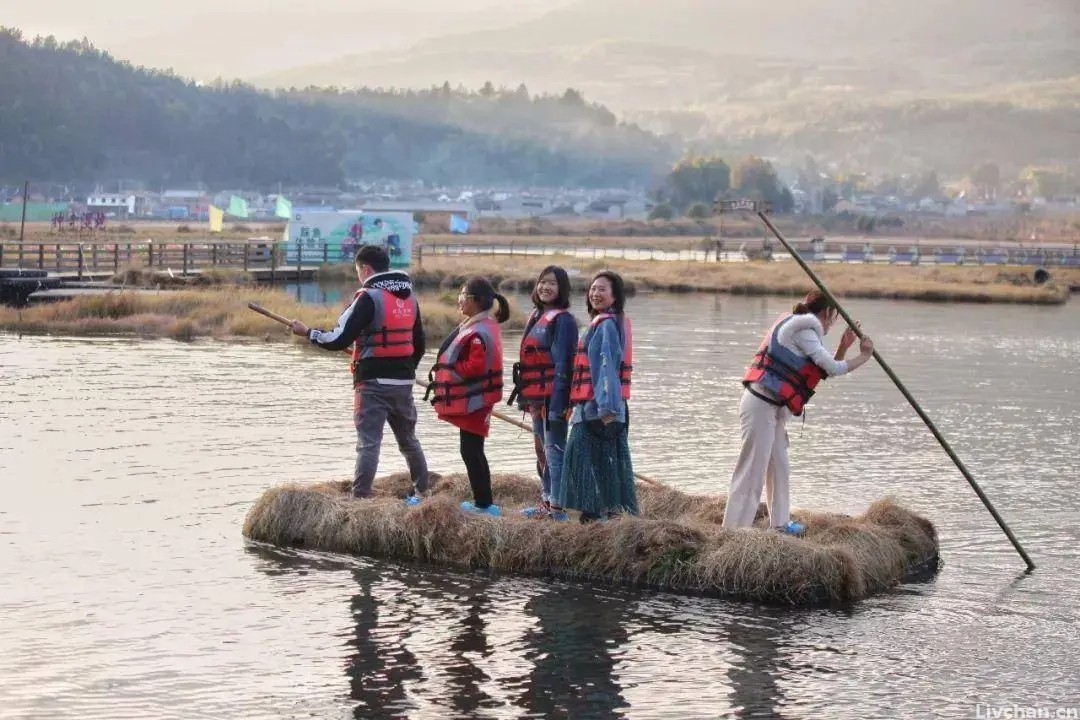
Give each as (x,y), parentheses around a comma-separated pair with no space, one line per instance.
(119,205)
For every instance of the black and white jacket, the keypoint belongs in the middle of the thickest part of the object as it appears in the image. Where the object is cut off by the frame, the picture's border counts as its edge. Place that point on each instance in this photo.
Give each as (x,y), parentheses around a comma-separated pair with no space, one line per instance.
(359,315)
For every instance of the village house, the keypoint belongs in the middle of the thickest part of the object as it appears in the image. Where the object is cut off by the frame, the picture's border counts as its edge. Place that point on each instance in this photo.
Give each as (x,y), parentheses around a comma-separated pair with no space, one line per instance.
(183,203)
(120,205)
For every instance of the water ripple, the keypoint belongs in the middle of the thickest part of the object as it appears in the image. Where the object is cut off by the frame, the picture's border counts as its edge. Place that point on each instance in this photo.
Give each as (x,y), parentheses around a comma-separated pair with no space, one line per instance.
(126,590)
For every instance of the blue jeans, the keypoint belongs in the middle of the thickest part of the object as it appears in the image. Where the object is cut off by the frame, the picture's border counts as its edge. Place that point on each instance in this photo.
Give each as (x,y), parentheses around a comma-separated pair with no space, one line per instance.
(550,448)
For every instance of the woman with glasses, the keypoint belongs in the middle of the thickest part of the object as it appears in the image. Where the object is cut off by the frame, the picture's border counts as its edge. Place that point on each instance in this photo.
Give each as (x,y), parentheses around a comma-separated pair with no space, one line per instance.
(466,382)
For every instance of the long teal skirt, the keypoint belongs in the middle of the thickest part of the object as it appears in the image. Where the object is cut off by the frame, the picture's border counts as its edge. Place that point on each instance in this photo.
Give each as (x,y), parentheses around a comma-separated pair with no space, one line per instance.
(597,475)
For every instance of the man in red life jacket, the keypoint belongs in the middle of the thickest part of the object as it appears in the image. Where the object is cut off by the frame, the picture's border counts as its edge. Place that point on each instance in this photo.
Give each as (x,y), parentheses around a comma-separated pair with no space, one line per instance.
(384,327)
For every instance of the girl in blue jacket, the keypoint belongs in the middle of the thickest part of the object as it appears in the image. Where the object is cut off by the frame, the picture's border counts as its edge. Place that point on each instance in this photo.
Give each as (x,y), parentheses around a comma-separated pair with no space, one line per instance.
(598,476)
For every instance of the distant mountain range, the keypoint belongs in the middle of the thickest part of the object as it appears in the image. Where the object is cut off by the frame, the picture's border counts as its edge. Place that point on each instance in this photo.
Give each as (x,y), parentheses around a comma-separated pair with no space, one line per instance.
(884,88)
(785,78)
(646,55)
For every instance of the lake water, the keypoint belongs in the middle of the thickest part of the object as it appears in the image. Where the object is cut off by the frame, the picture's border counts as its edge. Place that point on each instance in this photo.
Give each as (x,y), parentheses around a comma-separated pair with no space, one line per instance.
(127,591)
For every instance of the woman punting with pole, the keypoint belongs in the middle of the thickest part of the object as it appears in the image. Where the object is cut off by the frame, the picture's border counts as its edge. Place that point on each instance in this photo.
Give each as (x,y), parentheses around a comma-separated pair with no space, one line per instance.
(779,382)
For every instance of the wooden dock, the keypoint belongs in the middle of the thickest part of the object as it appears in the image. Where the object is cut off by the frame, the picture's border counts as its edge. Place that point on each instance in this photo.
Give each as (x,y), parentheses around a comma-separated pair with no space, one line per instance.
(95,258)
(32,272)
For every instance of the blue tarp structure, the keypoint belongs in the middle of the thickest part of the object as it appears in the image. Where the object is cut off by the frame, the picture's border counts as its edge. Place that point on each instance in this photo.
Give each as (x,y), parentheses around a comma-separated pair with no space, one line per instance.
(459,225)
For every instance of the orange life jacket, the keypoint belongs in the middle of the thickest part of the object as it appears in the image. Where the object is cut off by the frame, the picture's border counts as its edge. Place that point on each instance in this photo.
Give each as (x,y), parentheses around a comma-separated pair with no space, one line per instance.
(534,373)
(791,377)
(581,384)
(390,332)
(451,394)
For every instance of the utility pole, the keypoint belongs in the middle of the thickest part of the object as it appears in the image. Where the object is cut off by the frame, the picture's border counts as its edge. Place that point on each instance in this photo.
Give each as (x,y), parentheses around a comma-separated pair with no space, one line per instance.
(22,225)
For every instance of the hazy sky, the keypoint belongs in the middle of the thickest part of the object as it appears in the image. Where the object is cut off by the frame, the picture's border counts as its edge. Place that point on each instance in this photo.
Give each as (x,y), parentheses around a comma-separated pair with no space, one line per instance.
(238,38)
(392,42)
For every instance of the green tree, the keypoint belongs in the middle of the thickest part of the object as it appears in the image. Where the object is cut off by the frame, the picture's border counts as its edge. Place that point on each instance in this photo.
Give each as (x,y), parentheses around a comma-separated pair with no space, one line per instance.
(697,180)
(987,180)
(757,179)
(927,185)
(1043,182)
(662,211)
(572,97)
(698,211)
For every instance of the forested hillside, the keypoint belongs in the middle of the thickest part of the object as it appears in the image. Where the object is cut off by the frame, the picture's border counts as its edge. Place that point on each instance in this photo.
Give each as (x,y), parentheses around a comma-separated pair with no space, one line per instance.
(72,113)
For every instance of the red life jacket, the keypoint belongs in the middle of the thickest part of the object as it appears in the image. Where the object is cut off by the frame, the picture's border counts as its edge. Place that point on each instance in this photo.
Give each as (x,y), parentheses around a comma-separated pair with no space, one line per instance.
(581,385)
(452,394)
(390,332)
(791,377)
(534,373)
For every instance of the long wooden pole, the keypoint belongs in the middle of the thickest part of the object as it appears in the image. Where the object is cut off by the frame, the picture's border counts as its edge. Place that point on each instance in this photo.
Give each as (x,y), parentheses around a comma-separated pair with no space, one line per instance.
(505,418)
(903,391)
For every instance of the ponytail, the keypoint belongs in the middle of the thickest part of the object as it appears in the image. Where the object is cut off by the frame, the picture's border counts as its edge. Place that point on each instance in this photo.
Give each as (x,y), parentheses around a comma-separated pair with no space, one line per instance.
(503,313)
(814,302)
(482,290)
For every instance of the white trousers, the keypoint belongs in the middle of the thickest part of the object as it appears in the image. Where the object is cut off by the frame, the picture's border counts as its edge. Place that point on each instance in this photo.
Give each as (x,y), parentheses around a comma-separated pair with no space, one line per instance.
(763,463)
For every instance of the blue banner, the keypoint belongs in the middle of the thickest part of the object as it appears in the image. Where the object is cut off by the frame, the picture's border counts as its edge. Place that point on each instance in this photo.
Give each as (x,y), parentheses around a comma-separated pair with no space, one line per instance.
(459,225)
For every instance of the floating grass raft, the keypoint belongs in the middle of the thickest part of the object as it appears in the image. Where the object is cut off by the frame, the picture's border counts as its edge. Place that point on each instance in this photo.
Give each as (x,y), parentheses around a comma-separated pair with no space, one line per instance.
(676,545)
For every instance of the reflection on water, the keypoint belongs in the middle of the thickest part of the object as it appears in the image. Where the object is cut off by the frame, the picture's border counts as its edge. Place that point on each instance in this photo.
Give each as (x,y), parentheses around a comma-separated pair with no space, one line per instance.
(572,650)
(321,293)
(126,589)
(755,690)
(377,671)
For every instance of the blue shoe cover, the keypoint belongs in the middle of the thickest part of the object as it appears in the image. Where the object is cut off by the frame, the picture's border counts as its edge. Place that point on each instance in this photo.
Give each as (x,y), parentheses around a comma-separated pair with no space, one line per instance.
(492,510)
(792,528)
(413,500)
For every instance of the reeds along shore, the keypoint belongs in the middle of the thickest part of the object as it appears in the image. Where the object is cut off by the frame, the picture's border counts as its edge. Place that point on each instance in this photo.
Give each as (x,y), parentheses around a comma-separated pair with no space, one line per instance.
(1051,228)
(676,544)
(925,283)
(218,308)
(216,312)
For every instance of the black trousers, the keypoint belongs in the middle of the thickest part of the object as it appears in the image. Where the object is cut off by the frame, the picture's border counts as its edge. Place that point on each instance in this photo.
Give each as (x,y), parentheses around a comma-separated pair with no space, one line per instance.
(476,464)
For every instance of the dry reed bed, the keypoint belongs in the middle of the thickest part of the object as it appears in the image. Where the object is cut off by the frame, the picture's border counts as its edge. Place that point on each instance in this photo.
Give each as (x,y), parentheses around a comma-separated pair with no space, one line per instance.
(927,283)
(219,312)
(676,545)
(1060,228)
